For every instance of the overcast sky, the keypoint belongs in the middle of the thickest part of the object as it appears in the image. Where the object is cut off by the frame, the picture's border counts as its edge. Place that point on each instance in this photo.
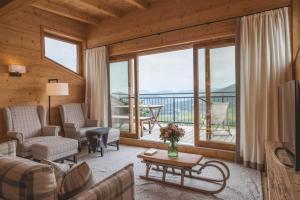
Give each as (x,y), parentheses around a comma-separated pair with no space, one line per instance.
(61,52)
(173,71)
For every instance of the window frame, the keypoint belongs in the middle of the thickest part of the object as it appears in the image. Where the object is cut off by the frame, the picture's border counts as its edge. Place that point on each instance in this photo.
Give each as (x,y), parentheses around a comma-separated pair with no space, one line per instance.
(63,37)
(207,45)
(127,58)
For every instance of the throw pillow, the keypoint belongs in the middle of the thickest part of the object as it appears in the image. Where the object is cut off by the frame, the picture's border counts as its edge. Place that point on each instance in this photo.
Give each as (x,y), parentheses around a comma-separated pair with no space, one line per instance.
(60,170)
(77,179)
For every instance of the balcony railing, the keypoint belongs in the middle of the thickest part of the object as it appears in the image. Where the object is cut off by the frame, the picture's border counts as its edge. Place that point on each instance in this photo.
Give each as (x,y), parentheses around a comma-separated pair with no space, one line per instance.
(179,107)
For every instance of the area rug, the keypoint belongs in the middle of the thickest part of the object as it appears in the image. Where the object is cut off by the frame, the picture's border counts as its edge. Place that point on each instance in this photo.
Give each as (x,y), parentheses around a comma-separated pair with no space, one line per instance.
(243,183)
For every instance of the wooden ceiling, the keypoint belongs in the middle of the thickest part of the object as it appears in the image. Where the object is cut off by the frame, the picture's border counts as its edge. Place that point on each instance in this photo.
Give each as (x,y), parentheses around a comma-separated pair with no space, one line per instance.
(91,11)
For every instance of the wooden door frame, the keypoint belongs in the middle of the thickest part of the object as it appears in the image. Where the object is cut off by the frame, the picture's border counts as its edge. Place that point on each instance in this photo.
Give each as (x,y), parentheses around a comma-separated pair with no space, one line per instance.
(207,46)
(129,60)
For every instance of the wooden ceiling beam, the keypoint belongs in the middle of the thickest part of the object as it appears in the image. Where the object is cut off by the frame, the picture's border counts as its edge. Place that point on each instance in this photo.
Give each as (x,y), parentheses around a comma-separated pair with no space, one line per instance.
(101,8)
(65,12)
(141,4)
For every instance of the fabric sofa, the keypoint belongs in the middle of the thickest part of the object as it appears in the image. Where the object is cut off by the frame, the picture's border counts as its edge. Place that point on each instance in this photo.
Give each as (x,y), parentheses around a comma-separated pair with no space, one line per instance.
(25,179)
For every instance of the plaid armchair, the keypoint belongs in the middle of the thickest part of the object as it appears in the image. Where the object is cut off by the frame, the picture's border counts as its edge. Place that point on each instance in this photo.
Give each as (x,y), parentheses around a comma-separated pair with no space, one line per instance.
(75,121)
(27,125)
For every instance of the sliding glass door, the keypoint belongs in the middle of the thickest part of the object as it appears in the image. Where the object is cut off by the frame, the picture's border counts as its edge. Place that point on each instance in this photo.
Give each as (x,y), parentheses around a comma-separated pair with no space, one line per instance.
(122,96)
(166,92)
(216,94)
(193,87)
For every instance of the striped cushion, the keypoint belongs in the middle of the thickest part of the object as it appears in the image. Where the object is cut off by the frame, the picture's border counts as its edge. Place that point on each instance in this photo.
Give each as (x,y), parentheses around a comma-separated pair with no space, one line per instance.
(8,148)
(119,186)
(60,170)
(24,179)
(78,179)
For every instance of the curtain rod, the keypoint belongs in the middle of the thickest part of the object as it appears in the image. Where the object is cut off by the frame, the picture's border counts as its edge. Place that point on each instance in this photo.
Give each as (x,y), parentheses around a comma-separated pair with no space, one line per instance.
(186,27)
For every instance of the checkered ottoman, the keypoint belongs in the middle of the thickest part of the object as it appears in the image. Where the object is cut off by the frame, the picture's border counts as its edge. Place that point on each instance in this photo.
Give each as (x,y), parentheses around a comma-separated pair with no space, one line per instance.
(58,148)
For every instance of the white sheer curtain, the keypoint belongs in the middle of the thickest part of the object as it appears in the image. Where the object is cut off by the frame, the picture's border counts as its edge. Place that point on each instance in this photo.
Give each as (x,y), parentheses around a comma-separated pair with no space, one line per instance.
(265,55)
(97,84)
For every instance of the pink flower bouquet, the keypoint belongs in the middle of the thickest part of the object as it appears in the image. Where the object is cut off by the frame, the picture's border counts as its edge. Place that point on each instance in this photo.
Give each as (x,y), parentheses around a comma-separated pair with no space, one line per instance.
(171,133)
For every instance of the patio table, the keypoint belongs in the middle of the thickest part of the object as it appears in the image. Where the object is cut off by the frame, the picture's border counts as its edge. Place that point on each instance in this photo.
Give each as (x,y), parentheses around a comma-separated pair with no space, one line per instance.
(153,119)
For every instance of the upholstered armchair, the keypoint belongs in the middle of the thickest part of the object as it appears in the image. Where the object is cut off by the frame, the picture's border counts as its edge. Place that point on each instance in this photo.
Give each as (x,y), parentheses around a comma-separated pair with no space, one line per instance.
(27,125)
(75,121)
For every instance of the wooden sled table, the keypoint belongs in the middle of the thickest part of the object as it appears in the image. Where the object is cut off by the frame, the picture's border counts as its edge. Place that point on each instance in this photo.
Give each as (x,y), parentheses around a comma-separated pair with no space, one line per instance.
(186,166)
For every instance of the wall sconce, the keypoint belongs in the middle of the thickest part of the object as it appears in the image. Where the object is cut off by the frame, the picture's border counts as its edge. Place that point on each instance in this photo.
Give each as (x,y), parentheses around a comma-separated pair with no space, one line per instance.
(16,70)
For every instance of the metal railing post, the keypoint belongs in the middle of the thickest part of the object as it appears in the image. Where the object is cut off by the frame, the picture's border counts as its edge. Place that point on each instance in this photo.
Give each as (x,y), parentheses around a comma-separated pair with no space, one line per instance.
(174,113)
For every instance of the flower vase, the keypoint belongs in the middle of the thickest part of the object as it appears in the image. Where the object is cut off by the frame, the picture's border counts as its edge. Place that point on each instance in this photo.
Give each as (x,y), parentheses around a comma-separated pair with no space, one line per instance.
(172,150)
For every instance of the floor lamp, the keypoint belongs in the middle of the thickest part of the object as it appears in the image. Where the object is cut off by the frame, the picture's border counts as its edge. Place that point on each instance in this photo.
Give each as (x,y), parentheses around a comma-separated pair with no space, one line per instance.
(54,88)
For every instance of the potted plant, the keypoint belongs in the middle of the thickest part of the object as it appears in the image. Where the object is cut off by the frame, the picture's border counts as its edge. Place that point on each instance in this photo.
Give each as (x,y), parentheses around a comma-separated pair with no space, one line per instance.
(171,133)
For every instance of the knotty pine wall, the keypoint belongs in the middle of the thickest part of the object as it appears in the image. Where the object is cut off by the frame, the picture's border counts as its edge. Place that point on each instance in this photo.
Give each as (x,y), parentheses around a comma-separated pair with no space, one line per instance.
(20,44)
(169,14)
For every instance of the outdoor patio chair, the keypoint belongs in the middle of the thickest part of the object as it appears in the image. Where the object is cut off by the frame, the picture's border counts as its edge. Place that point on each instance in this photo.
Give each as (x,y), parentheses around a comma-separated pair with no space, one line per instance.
(218,114)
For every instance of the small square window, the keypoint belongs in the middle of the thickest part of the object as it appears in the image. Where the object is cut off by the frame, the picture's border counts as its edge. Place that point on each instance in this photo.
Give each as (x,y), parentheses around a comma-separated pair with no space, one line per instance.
(63,51)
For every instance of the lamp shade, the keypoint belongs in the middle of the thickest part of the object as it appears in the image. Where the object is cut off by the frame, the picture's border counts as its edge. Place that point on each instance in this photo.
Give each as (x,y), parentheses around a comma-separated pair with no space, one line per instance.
(57,89)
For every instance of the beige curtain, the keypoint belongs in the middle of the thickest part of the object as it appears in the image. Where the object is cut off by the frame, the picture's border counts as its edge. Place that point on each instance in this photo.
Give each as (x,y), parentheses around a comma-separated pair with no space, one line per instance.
(97,84)
(265,56)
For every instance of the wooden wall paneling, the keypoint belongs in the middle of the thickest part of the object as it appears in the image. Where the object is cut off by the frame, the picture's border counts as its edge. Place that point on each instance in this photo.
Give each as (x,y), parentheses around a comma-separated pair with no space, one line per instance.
(13,5)
(168,15)
(20,44)
(225,29)
(95,7)
(65,12)
(296,36)
(141,4)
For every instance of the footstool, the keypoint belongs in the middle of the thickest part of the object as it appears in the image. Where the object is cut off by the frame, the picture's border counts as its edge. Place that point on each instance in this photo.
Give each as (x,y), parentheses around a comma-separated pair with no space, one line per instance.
(59,148)
(101,137)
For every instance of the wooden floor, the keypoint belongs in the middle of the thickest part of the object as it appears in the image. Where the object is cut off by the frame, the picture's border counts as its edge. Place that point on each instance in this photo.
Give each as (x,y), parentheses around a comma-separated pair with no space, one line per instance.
(219,135)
